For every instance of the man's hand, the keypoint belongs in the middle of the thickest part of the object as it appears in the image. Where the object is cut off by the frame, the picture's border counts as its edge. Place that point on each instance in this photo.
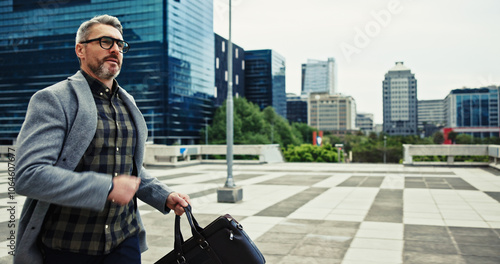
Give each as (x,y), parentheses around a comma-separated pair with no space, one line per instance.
(124,189)
(176,201)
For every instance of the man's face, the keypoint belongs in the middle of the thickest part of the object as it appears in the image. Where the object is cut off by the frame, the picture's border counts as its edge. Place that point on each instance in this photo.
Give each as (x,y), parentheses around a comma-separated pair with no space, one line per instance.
(101,63)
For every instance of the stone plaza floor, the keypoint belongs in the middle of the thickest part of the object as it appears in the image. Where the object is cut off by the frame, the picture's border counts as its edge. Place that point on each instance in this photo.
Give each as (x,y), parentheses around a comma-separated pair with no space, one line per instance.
(335,213)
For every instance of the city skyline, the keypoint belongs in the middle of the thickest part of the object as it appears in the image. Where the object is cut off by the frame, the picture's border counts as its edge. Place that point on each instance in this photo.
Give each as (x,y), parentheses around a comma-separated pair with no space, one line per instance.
(448,45)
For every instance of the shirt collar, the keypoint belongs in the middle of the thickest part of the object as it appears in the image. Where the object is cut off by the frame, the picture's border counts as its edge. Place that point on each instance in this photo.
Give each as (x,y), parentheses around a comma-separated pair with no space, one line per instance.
(98,88)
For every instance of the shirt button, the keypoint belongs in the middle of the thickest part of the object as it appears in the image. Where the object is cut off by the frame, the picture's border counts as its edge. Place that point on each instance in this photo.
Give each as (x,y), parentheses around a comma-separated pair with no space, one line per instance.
(100,94)
(107,226)
(107,90)
(116,174)
(117,149)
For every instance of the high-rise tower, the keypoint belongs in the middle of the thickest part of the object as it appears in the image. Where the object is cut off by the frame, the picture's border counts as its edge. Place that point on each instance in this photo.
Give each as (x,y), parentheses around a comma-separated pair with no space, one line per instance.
(169,69)
(319,77)
(400,101)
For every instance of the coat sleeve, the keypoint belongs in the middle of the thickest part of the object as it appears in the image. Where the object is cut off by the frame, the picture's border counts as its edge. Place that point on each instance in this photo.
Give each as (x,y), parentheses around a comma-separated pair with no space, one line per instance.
(40,142)
(152,191)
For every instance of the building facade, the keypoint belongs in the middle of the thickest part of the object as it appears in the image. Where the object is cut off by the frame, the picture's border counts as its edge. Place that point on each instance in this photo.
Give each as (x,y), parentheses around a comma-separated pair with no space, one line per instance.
(319,77)
(473,111)
(364,122)
(334,113)
(431,116)
(296,109)
(221,73)
(265,79)
(169,75)
(400,101)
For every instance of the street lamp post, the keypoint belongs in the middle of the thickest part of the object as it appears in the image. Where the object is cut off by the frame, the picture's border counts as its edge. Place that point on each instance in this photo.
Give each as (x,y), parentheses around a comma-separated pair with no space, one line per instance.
(317,112)
(230,193)
(206,135)
(385,151)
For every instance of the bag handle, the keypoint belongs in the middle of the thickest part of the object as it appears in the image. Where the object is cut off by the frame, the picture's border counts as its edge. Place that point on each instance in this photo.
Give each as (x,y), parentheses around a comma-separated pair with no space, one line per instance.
(196,230)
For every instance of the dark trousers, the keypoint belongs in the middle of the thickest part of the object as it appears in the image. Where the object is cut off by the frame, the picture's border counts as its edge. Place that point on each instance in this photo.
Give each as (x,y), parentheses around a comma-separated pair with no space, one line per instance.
(127,252)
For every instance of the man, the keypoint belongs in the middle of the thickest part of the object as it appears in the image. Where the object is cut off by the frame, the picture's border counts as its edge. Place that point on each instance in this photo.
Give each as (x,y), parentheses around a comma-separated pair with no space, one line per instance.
(80,153)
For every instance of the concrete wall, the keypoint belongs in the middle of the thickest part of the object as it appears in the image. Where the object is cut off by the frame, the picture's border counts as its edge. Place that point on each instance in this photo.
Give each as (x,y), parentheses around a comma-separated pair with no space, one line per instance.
(171,155)
(450,151)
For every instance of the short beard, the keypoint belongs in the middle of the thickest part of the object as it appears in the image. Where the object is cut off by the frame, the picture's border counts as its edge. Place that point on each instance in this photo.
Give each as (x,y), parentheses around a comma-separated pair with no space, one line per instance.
(103,73)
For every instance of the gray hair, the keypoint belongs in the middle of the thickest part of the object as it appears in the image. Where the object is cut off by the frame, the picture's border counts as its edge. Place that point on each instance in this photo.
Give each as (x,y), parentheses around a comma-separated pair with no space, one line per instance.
(84,30)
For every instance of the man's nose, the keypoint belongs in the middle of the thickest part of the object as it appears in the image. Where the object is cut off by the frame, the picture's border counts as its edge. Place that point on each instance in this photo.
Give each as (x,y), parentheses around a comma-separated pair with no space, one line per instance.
(114,48)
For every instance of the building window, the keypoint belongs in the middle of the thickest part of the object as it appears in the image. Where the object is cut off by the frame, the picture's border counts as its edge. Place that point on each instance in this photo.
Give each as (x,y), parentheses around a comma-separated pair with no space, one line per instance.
(217,63)
(236,53)
(242,64)
(225,76)
(223,46)
(236,79)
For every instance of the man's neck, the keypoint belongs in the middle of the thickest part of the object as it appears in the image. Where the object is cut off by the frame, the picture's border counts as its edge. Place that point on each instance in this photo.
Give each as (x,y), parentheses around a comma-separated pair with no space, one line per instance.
(108,83)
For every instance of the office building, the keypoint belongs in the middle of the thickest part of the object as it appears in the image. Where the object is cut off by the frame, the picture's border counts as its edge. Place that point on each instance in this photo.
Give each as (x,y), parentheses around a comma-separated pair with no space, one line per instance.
(319,77)
(430,116)
(473,111)
(400,101)
(265,79)
(296,108)
(169,68)
(364,122)
(333,113)
(221,73)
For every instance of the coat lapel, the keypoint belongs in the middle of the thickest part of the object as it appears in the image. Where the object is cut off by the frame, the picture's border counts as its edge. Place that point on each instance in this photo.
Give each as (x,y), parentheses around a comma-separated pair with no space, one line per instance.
(84,126)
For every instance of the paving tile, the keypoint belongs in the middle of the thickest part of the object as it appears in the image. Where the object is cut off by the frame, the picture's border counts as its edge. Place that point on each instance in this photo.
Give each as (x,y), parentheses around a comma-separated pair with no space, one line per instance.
(363,254)
(436,234)
(494,195)
(377,243)
(422,258)
(288,206)
(430,247)
(481,250)
(280,237)
(273,248)
(336,241)
(467,239)
(481,260)
(353,181)
(322,251)
(481,232)
(311,260)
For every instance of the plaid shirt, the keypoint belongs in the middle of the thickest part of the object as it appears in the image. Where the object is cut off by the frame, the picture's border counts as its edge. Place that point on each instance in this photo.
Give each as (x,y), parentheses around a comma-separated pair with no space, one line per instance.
(111,152)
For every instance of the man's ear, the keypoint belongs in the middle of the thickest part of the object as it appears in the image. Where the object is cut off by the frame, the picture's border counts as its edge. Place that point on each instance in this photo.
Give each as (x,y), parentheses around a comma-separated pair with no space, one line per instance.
(79,50)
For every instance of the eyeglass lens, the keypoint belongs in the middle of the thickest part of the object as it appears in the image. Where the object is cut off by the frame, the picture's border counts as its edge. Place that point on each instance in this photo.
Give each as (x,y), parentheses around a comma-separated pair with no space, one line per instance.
(107,43)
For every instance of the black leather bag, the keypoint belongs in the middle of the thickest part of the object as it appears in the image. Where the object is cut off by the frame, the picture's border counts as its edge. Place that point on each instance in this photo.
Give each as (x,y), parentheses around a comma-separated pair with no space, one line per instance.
(221,242)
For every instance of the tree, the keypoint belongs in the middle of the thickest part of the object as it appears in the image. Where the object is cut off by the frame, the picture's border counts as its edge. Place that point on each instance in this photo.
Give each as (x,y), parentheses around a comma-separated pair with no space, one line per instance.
(438,137)
(304,130)
(252,126)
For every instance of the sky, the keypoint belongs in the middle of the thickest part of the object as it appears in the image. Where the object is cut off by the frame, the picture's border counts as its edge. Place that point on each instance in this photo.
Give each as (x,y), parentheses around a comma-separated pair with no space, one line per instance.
(447,44)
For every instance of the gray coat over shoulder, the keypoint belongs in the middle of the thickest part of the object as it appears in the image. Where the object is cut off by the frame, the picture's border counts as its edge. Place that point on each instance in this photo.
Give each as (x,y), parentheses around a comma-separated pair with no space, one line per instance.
(60,124)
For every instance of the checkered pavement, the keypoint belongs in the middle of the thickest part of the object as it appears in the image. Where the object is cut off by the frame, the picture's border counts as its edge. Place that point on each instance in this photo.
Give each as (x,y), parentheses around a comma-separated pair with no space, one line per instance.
(338,213)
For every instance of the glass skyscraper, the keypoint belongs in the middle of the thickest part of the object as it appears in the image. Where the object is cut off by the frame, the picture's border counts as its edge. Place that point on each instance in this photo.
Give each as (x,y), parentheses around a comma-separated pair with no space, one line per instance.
(319,77)
(473,111)
(265,79)
(169,69)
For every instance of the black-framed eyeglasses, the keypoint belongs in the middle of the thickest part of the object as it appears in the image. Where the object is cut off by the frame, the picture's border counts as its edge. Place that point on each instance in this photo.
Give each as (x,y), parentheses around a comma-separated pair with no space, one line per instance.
(108,42)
